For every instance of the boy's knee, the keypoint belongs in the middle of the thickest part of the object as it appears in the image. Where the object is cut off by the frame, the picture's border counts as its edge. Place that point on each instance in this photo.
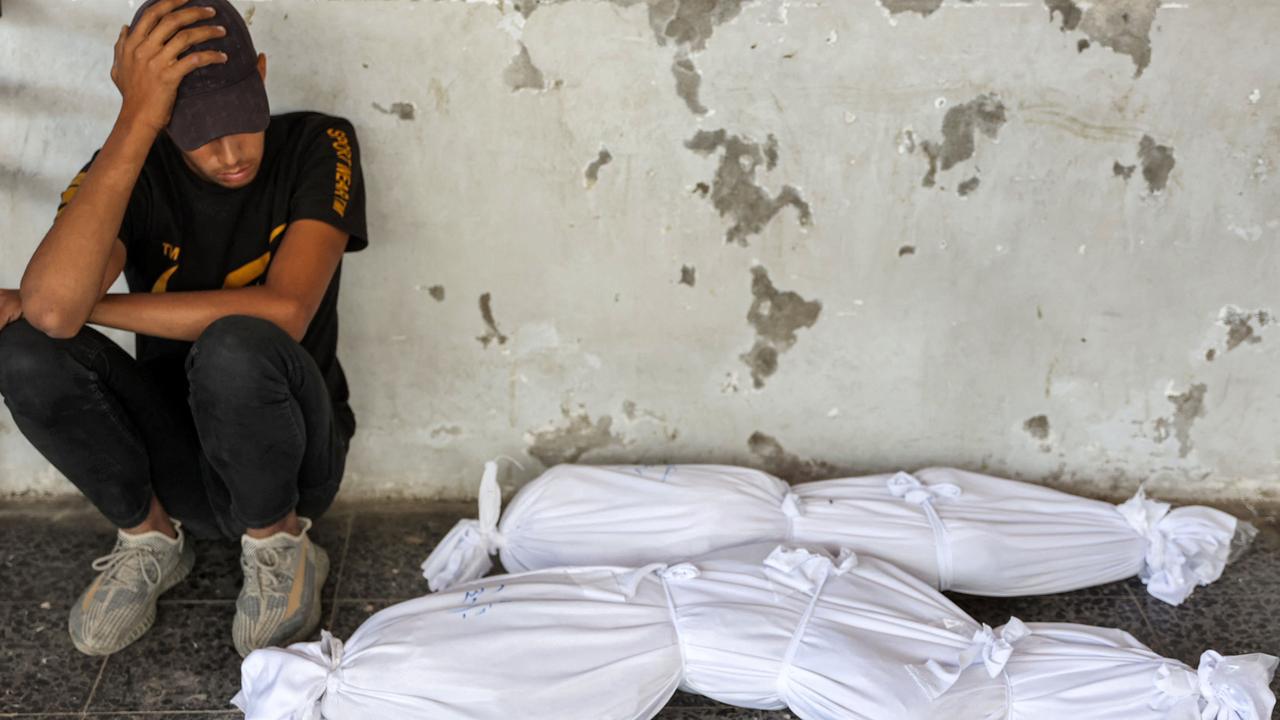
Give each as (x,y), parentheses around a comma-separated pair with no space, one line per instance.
(27,357)
(234,349)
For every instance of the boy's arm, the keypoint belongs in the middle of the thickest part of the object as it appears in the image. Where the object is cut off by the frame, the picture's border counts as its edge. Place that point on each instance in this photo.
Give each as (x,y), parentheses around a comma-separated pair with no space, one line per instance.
(68,272)
(296,282)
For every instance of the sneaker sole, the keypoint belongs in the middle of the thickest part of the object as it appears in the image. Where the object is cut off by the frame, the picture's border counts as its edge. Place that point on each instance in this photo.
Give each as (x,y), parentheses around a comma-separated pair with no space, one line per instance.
(185,563)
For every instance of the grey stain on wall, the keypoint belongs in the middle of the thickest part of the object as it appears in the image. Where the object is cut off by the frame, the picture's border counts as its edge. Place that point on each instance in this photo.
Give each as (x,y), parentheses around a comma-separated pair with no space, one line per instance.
(923,7)
(592,173)
(968,186)
(960,126)
(436,292)
(1070,11)
(688,84)
(1157,162)
(777,461)
(522,74)
(569,441)
(776,316)
(906,250)
(402,110)
(491,326)
(1187,406)
(1123,171)
(688,275)
(1239,324)
(525,7)
(1037,427)
(734,191)
(446,431)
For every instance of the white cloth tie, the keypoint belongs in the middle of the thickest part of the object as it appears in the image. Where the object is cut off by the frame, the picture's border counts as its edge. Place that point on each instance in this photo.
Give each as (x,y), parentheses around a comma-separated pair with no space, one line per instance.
(464,554)
(909,488)
(1182,551)
(986,648)
(806,571)
(1224,688)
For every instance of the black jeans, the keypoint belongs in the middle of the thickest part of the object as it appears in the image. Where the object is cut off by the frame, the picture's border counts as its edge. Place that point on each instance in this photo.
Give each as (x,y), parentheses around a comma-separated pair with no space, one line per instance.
(236,436)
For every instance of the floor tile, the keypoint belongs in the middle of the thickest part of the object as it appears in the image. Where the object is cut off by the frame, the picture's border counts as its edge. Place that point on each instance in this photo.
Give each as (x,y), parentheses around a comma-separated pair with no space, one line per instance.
(1230,624)
(720,712)
(386,553)
(1083,606)
(231,715)
(185,662)
(40,670)
(47,556)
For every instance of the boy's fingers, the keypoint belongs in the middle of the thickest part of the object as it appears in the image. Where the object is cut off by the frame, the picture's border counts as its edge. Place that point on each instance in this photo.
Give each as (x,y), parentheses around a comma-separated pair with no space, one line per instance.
(175,21)
(197,60)
(149,19)
(189,37)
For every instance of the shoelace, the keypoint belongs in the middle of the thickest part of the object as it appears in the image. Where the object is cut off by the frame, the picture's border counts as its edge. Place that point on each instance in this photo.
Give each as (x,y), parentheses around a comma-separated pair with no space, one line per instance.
(262,568)
(126,563)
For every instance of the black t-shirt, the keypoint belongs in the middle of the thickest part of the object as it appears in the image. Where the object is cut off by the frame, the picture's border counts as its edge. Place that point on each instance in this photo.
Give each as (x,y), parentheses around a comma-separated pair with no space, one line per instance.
(184,233)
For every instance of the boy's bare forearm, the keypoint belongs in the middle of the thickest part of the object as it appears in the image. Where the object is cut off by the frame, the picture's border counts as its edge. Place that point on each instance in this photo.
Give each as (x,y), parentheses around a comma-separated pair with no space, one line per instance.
(64,277)
(184,315)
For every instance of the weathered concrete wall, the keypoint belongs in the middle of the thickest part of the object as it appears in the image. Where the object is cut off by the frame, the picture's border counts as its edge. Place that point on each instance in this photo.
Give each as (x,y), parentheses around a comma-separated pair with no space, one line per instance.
(1036,238)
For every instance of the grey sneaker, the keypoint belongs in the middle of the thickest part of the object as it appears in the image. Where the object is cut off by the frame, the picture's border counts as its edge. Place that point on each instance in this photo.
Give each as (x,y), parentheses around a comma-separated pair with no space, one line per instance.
(120,605)
(280,601)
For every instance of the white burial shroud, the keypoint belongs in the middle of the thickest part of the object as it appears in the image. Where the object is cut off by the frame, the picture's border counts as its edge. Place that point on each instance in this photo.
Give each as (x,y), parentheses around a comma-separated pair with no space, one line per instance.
(760,626)
(956,530)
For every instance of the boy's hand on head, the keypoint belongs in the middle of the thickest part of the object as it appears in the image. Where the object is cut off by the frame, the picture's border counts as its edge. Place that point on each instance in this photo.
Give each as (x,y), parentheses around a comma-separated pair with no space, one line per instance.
(147,70)
(10,306)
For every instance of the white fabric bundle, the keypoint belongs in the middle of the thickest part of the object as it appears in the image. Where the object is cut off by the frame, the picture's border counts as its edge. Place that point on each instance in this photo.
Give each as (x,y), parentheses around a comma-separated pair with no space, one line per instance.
(956,530)
(760,626)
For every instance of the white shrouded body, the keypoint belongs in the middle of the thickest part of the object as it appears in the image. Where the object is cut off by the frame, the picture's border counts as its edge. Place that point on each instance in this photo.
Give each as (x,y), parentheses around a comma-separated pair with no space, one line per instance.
(759,626)
(954,529)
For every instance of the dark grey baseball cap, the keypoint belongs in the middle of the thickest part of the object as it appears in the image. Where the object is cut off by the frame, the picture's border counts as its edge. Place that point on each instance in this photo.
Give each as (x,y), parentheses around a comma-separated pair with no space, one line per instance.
(223,98)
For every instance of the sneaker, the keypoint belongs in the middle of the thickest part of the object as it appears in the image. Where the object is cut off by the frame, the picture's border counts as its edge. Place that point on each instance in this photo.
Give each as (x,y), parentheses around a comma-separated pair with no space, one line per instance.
(120,605)
(280,601)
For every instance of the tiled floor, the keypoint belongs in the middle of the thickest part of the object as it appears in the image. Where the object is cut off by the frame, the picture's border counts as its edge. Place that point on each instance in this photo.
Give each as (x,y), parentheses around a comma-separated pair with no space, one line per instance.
(186,667)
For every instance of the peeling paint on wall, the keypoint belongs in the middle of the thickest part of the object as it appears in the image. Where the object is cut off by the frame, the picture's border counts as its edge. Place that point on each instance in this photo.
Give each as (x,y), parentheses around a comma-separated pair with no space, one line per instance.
(688,84)
(734,191)
(525,7)
(776,316)
(777,461)
(491,333)
(1187,406)
(1070,11)
(569,441)
(690,22)
(634,413)
(1239,324)
(688,275)
(402,110)
(592,173)
(923,7)
(522,74)
(1121,25)
(985,114)
(1157,162)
